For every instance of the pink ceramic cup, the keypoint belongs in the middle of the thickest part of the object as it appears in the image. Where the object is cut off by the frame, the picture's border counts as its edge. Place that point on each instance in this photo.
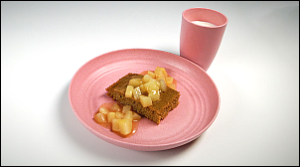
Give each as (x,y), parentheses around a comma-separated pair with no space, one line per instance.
(199,43)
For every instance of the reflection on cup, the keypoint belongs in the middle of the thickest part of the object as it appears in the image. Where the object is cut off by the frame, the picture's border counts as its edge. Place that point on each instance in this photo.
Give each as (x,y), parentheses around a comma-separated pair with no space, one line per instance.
(203,23)
(201,35)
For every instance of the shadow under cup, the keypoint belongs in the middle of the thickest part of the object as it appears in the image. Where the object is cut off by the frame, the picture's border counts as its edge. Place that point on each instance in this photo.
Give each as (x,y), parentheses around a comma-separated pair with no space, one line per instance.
(199,43)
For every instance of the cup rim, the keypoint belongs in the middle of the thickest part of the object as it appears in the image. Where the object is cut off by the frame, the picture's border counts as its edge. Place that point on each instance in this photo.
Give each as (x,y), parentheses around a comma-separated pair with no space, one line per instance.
(217,26)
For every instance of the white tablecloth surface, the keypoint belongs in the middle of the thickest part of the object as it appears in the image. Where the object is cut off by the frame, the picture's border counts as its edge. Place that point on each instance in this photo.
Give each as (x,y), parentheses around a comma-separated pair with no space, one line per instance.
(256,71)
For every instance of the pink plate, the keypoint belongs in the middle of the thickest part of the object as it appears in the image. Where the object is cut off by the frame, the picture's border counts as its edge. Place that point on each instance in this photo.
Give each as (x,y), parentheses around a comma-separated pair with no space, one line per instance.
(197,109)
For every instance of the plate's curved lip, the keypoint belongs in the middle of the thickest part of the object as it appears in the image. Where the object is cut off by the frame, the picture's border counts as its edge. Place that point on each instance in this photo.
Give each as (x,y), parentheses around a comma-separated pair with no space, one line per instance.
(138,146)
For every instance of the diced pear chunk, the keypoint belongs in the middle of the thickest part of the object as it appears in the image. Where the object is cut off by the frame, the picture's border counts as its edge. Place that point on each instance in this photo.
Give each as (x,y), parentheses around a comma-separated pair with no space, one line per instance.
(115,107)
(153,84)
(100,118)
(163,78)
(164,71)
(135,82)
(111,116)
(152,74)
(145,100)
(126,108)
(136,93)
(119,115)
(159,75)
(172,85)
(146,78)
(125,126)
(136,116)
(128,115)
(160,72)
(154,95)
(163,85)
(115,125)
(129,90)
(103,110)
(169,80)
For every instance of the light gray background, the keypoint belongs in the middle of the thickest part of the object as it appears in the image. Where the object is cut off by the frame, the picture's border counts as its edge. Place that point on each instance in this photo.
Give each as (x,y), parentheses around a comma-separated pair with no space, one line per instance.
(256,71)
